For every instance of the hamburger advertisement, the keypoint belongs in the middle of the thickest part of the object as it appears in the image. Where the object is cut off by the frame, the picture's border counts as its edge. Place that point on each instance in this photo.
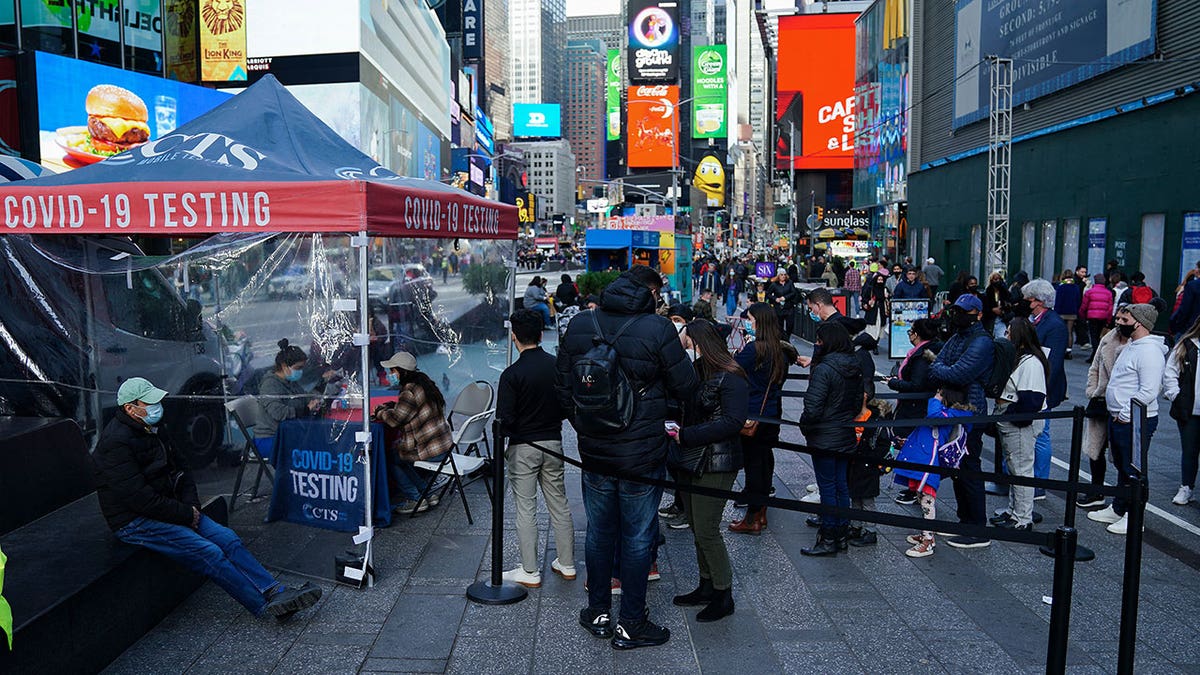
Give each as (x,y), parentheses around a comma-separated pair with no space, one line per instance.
(89,112)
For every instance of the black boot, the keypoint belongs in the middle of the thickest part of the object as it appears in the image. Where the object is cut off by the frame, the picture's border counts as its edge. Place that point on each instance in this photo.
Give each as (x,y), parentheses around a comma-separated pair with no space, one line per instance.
(862,538)
(813,521)
(826,544)
(841,535)
(701,596)
(720,607)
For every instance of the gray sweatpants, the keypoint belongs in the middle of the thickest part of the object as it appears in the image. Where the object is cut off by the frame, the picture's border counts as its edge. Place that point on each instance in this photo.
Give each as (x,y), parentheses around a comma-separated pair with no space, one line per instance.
(527,468)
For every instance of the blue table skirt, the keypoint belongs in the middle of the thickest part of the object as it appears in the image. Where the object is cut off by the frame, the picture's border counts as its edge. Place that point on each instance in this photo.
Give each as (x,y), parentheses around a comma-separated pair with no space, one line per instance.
(317,480)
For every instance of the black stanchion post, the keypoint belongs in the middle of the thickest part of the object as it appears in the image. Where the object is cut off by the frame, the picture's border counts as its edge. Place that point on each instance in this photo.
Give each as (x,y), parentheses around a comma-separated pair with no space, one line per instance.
(1136,520)
(495,591)
(1065,542)
(1082,553)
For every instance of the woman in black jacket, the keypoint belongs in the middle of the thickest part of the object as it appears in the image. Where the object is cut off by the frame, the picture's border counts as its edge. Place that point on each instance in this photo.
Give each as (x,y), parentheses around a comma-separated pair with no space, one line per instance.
(713,421)
(833,400)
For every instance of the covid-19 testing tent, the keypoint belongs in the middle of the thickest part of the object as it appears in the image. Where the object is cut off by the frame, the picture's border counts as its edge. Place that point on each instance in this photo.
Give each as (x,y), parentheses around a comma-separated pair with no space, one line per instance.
(303,237)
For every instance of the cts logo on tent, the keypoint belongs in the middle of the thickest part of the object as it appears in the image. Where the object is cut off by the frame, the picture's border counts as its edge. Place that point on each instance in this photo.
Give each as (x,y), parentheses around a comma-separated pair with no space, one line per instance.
(207,146)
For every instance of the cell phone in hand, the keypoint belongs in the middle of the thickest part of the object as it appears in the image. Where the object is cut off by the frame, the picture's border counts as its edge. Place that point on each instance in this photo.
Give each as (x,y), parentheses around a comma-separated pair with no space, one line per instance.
(671,426)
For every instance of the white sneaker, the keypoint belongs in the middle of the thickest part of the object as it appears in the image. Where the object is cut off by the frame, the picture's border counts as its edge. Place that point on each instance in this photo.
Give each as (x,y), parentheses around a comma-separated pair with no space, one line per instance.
(565,571)
(811,487)
(811,498)
(520,576)
(1183,496)
(1120,527)
(1104,515)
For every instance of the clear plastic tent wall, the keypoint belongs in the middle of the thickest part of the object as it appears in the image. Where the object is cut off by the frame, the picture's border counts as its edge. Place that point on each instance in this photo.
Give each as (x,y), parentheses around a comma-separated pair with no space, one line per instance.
(81,314)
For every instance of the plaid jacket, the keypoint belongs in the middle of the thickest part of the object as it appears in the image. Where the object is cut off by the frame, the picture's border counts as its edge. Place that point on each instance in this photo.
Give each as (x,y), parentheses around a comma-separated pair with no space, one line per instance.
(423,430)
(853,280)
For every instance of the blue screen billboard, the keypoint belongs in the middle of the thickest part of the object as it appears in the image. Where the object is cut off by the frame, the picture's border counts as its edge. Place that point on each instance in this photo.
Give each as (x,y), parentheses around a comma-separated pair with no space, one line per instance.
(1053,44)
(537,120)
(87,111)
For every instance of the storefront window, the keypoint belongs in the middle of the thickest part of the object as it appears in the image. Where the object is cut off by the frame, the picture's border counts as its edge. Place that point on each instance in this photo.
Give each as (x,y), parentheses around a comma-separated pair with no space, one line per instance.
(1070,248)
(1152,249)
(46,26)
(1028,243)
(1049,246)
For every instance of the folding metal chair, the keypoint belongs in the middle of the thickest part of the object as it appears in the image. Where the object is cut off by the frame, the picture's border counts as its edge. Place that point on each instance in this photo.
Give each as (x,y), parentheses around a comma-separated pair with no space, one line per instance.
(455,465)
(244,411)
(472,400)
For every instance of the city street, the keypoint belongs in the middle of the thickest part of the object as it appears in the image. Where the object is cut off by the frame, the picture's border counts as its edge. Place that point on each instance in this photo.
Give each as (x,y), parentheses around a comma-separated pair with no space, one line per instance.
(870,611)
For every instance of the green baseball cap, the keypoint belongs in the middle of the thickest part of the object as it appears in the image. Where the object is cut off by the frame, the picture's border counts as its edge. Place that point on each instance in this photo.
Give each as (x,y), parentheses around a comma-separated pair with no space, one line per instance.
(139,389)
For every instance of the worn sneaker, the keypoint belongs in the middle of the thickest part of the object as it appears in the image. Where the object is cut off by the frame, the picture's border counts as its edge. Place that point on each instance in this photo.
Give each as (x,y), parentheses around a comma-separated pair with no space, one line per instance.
(1121,526)
(678,521)
(811,498)
(652,576)
(1012,525)
(285,602)
(526,579)
(914,539)
(1002,518)
(565,571)
(644,633)
(673,509)
(409,506)
(964,541)
(1106,515)
(1039,494)
(596,621)
(1085,501)
(906,497)
(921,549)
(1183,496)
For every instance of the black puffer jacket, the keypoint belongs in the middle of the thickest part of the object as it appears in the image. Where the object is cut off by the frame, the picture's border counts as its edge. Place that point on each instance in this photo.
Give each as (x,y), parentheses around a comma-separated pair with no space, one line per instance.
(834,396)
(715,419)
(138,473)
(654,361)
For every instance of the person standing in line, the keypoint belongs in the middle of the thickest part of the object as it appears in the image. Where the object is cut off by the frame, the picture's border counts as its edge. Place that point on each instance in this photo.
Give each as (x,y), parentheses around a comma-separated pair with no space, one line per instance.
(765,361)
(1138,292)
(528,410)
(834,397)
(1052,334)
(1024,392)
(1082,282)
(1095,430)
(1068,297)
(966,362)
(995,305)
(913,377)
(910,288)
(852,282)
(782,295)
(1136,375)
(622,514)
(1188,307)
(1181,387)
(862,474)
(933,277)
(893,279)
(1097,309)
(712,421)
(875,304)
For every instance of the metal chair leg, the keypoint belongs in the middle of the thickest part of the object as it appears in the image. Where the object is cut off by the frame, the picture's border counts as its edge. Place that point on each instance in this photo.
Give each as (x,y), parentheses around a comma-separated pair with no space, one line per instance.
(237,483)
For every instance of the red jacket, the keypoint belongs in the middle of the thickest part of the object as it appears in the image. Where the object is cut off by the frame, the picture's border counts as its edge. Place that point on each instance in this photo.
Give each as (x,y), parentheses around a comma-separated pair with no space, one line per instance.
(1097,303)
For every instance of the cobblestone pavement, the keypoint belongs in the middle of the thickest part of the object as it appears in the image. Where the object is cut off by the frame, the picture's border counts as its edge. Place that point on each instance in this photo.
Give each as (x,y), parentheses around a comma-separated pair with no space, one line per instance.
(871,610)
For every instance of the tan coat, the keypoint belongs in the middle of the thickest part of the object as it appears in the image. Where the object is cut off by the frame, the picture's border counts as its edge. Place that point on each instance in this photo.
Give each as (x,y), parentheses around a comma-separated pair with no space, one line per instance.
(1095,431)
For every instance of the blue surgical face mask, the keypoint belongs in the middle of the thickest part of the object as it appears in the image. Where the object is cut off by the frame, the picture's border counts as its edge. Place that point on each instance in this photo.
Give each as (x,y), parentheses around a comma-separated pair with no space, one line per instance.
(814,316)
(154,413)
(295,375)
(749,329)
(393,379)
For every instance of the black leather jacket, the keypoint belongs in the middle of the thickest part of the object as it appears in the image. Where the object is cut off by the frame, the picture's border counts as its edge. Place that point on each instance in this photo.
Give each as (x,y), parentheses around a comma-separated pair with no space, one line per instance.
(834,396)
(138,473)
(715,419)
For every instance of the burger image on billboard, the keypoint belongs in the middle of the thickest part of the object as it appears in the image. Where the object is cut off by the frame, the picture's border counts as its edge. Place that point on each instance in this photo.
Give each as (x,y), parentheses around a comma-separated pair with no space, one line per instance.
(117,119)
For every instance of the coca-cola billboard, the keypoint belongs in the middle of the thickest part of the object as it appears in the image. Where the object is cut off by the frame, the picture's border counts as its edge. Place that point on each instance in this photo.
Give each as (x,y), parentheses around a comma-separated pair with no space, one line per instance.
(653,54)
(653,126)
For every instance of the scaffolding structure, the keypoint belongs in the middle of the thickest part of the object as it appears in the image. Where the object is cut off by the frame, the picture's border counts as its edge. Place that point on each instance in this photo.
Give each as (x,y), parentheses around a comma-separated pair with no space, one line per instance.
(999,162)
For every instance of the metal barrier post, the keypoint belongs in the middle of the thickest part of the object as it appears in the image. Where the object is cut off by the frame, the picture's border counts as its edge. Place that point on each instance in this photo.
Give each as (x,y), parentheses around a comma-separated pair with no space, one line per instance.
(495,591)
(1065,542)
(1136,520)
(1082,553)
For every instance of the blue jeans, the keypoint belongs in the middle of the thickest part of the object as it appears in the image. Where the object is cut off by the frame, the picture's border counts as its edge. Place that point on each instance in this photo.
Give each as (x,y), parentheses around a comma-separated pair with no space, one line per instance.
(545,311)
(1120,442)
(628,511)
(1042,452)
(831,483)
(409,482)
(212,550)
(853,303)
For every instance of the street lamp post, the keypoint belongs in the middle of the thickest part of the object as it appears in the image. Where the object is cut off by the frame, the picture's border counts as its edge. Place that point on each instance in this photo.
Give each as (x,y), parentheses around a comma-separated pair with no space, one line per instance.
(675,130)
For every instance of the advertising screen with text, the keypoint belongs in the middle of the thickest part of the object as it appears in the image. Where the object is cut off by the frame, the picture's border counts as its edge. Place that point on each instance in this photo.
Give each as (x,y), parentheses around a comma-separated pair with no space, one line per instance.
(652,126)
(815,92)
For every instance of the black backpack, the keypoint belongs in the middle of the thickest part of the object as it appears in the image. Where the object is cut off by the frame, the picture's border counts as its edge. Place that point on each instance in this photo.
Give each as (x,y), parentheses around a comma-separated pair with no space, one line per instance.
(600,390)
(1004,361)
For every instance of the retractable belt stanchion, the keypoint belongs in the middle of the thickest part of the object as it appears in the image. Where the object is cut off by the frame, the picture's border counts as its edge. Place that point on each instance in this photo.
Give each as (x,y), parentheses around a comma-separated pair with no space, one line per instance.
(1082,553)
(1136,515)
(495,591)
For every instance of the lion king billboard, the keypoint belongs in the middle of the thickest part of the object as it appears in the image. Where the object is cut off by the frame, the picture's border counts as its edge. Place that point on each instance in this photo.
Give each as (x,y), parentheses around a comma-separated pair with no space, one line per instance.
(222,40)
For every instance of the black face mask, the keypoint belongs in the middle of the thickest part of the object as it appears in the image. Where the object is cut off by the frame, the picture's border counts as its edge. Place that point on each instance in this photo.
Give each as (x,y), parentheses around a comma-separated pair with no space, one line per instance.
(1022,309)
(1126,329)
(960,319)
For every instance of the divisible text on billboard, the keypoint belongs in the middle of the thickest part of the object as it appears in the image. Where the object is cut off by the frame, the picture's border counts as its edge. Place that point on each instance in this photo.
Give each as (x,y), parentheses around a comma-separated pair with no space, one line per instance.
(652,125)
(815,92)
(709,71)
(653,40)
(222,40)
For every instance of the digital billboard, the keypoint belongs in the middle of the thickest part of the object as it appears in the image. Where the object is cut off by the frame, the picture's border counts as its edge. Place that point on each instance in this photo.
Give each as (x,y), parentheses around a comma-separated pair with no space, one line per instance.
(1053,45)
(537,120)
(653,40)
(652,126)
(124,110)
(709,70)
(613,95)
(814,106)
(881,106)
(222,41)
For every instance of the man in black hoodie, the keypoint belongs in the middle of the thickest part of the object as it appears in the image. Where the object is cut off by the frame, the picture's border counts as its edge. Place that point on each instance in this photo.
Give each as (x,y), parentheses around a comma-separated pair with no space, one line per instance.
(149,499)
(621,511)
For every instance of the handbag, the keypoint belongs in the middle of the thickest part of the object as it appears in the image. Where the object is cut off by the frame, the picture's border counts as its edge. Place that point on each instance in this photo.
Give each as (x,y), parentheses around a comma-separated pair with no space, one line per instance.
(751,426)
(1096,409)
(688,461)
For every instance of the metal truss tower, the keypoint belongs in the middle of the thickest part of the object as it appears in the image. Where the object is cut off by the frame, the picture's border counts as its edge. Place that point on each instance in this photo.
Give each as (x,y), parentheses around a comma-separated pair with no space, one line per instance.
(999,163)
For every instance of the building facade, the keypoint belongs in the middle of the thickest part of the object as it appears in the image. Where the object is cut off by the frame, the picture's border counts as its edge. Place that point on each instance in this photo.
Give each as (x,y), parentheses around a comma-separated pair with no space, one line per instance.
(583,111)
(537,48)
(607,28)
(551,169)
(1101,170)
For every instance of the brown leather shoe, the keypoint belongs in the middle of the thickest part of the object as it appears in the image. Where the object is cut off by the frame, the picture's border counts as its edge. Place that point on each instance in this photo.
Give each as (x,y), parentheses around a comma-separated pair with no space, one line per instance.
(752,523)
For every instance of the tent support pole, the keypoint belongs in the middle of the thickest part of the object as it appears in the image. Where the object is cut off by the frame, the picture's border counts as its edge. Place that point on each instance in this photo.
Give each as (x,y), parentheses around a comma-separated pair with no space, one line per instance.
(364,324)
